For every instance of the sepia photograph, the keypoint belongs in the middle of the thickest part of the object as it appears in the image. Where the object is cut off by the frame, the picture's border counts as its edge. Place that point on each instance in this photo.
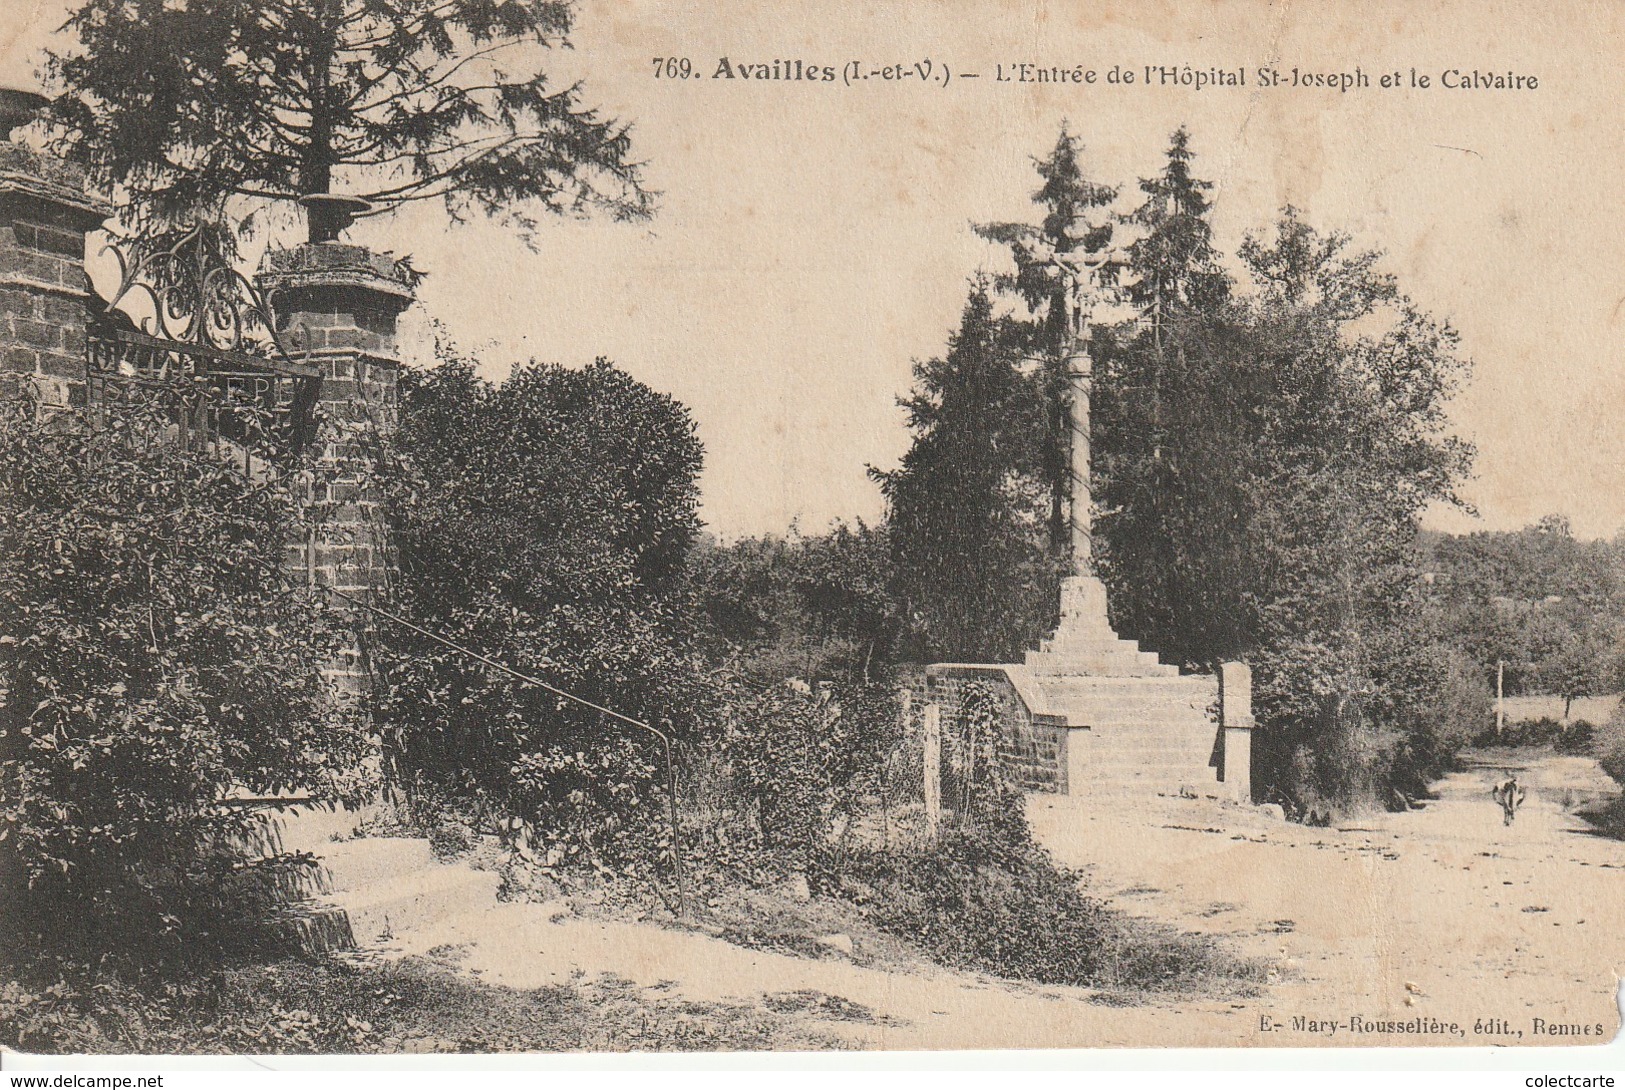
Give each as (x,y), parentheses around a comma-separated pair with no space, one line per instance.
(561,527)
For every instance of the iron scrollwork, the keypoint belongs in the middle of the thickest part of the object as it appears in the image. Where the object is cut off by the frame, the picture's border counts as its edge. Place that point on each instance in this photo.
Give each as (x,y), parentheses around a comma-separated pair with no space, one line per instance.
(197,296)
(208,352)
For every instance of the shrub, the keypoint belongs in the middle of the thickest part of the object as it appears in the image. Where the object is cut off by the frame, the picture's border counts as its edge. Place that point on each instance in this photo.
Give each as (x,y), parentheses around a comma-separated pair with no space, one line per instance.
(152,662)
(1576,737)
(1608,745)
(545,522)
(603,809)
(802,761)
(985,896)
(976,900)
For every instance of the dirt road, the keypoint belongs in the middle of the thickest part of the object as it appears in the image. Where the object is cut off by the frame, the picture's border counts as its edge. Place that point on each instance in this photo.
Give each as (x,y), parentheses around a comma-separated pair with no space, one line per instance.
(1441,919)
(1437,921)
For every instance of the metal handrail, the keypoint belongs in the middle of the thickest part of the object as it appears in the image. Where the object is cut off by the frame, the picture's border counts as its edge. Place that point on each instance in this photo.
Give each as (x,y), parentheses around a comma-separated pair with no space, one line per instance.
(665,739)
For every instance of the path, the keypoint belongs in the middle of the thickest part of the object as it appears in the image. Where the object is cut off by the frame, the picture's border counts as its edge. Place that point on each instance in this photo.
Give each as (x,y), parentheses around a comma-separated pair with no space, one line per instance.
(1439,914)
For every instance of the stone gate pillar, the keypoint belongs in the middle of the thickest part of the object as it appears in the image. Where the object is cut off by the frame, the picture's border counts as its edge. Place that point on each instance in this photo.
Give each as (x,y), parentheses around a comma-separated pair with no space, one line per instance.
(44,293)
(1236,723)
(336,305)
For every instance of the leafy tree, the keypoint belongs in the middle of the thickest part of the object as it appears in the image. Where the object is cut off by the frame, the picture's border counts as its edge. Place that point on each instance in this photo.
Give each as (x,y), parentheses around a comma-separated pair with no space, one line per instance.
(965,508)
(1581,656)
(1538,600)
(183,105)
(545,522)
(1308,436)
(809,607)
(153,663)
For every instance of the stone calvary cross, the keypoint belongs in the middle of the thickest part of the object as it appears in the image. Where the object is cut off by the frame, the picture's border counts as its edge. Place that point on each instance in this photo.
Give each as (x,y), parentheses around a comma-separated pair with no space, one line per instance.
(1084,642)
(1089,714)
(1080,275)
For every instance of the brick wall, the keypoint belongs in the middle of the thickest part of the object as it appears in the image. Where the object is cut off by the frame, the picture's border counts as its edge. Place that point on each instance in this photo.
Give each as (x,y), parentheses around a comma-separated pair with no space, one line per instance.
(336,306)
(1032,744)
(44,216)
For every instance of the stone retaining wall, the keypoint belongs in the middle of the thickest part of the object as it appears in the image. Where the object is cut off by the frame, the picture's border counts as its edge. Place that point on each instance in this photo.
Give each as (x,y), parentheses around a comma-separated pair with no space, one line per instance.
(1032,745)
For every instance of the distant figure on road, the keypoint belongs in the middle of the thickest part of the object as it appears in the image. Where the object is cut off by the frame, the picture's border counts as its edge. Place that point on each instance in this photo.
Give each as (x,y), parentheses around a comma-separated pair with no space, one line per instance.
(1510,795)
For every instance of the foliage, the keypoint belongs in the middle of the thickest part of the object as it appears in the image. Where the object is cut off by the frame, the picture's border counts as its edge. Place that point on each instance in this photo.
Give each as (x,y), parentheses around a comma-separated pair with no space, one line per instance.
(153,661)
(986,897)
(597,809)
(1579,737)
(184,105)
(965,508)
(1266,457)
(973,782)
(976,900)
(1261,455)
(1166,431)
(1539,602)
(795,606)
(1173,264)
(1608,745)
(803,763)
(545,522)
(411,1005)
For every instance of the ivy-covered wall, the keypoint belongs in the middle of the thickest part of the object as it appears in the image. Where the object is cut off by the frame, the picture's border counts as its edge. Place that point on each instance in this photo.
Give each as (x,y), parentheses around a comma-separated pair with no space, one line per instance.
(1032,744)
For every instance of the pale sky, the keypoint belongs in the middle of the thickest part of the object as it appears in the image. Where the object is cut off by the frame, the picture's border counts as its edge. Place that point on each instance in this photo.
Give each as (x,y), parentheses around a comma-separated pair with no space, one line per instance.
(813,239)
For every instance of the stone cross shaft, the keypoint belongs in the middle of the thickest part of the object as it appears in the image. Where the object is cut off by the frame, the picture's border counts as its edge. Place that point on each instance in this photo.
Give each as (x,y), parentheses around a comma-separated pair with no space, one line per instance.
(1082,287)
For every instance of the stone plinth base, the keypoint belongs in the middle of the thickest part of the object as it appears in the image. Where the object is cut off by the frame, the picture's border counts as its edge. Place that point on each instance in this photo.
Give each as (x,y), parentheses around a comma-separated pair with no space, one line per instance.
(1085,644)
(1116,738)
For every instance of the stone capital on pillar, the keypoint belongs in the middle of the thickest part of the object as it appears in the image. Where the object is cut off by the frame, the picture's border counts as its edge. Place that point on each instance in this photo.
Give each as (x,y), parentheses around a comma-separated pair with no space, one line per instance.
(337,305)
(45,214)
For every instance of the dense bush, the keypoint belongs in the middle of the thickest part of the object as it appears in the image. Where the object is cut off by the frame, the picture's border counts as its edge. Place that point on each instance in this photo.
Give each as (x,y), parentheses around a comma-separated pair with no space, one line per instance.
(803,763)
(1608,746)
(545,522)
(1576,737)
(985,897)
(819,606)
(153,661)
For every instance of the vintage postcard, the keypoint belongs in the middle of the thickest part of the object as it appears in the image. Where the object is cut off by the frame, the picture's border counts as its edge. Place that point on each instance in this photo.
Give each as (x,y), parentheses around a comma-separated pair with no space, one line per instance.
(627,526)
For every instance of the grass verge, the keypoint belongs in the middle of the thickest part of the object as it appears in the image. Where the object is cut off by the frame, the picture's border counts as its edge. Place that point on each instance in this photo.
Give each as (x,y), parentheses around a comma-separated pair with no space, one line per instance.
(416,1005)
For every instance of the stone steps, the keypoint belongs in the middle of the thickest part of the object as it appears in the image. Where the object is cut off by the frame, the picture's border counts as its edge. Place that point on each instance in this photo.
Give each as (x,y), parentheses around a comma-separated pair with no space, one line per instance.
(372,887)
(1142,664)
(390,904)
(1149,747)
(1122,721)
(1133,718)
(1102,642)
(1148,734)
(1187,685)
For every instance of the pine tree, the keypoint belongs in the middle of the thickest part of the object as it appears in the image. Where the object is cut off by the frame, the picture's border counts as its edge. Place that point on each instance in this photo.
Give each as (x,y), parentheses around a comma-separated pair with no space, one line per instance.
(965,508)
(1164,408)
(1174,263)
(180,106)
(1077,220)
